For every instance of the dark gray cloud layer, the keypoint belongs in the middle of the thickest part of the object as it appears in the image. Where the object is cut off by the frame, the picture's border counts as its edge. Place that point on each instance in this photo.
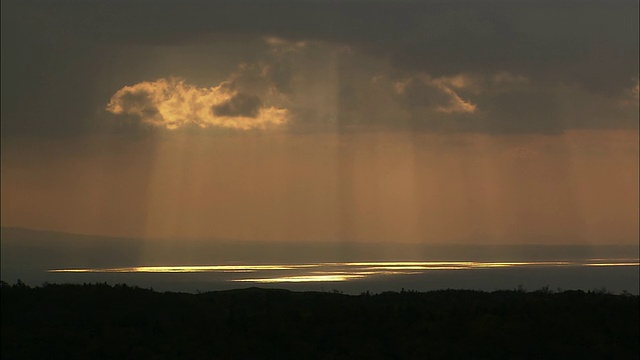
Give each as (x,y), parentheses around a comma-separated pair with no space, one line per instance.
(239,105)
(57,56)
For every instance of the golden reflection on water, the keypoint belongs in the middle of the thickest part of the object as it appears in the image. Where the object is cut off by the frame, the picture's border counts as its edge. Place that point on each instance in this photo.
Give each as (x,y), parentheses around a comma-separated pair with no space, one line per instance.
(304,278)
(335,271)
(614,264)
(187,269)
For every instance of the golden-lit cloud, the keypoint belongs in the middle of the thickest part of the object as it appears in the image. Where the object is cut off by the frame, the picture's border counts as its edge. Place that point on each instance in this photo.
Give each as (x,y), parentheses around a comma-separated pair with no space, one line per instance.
(438,94)
(172,103)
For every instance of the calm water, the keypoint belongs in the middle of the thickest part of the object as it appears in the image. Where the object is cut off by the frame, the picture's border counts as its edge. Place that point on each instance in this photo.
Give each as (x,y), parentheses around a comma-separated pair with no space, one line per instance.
(616,275)
(187,265)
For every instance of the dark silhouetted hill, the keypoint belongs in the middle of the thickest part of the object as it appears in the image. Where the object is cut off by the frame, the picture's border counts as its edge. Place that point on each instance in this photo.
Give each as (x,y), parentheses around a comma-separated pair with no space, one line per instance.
(99,321)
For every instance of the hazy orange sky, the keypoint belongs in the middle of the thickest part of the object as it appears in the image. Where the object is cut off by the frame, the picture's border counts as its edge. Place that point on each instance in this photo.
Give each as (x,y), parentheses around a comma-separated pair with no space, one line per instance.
(579,187)
(429,121)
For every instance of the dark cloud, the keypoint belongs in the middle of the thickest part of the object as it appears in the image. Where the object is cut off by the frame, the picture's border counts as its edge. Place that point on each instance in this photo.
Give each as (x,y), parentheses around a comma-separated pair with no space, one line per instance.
(429,94)
(280,74)
(239,105)
(522,111)
(416,93)
(441,37)
(141,101)
(59,57)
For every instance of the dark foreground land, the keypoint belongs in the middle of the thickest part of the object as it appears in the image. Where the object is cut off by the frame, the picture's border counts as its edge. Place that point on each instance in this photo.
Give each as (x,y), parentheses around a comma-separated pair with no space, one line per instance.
(121,322)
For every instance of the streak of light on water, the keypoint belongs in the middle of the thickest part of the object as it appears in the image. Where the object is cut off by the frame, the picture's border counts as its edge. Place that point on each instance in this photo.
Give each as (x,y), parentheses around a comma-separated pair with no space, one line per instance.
(342,271)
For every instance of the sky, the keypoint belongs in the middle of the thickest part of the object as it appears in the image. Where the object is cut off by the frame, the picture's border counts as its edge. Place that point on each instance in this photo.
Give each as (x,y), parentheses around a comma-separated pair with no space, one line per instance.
(430,122)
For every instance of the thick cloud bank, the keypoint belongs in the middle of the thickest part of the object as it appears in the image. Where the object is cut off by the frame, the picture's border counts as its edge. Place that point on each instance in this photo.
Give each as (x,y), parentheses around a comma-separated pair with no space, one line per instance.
(491,66)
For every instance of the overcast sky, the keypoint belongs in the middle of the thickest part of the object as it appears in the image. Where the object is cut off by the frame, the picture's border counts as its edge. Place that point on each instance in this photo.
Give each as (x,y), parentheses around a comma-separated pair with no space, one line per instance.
(371,121)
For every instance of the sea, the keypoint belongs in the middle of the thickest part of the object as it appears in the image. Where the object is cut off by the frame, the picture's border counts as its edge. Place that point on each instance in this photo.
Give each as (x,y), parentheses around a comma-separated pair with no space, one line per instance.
(201,265)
